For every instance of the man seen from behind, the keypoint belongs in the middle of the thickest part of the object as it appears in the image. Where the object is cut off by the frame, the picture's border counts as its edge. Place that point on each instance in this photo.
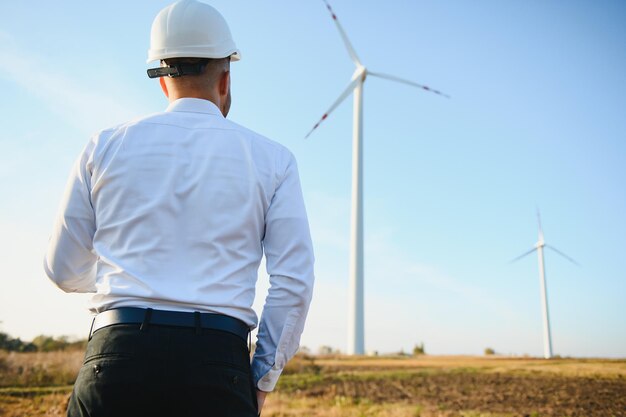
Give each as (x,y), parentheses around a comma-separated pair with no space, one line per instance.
(165,220)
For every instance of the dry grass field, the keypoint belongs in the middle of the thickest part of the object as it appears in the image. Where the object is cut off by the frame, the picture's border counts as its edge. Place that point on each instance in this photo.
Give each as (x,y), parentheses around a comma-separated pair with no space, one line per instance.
(38,384)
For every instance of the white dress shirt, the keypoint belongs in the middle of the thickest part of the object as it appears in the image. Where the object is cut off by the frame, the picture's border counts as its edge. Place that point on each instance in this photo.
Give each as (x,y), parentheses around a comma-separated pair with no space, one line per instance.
(174,211)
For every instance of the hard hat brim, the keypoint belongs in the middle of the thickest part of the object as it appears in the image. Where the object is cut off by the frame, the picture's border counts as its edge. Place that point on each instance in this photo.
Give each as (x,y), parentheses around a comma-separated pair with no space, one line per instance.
(235,55)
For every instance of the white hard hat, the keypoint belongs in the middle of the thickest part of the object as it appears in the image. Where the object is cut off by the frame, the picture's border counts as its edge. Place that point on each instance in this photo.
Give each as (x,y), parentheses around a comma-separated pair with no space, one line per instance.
(191,29)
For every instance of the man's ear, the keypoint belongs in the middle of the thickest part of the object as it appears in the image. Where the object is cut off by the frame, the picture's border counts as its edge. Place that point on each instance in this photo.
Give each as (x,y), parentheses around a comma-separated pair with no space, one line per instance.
(224,83)
(164,87)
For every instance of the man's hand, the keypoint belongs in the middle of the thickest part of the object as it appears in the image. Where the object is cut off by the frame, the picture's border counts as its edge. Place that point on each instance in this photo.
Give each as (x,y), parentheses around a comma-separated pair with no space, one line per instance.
(260,399)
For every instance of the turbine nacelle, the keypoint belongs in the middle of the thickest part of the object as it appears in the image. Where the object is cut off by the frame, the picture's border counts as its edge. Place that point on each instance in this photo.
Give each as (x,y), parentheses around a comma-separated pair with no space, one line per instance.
(359,72)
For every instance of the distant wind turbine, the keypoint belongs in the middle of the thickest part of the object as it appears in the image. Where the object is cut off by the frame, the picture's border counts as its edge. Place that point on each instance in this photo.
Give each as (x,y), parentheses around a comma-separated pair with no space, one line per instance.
(547,337)
(356,342)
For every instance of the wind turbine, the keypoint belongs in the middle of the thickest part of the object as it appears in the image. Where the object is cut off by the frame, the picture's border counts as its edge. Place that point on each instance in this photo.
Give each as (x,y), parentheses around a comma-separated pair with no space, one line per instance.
(356,342)
(547,337)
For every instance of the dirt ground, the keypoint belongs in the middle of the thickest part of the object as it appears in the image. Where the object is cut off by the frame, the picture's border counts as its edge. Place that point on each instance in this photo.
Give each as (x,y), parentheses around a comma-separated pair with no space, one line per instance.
(495,393)
(409,387)
(455,385)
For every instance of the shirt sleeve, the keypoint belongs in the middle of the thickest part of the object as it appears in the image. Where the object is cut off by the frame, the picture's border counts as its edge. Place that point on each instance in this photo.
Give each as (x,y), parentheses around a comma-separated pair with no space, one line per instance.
(289,259)
(70,261)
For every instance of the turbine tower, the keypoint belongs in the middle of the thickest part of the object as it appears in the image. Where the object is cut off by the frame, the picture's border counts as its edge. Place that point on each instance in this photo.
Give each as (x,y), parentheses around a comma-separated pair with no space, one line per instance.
(356,340)
(547,336)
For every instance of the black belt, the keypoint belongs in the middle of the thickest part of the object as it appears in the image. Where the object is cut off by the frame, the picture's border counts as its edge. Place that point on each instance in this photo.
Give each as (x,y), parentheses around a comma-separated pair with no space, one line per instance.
(146,317)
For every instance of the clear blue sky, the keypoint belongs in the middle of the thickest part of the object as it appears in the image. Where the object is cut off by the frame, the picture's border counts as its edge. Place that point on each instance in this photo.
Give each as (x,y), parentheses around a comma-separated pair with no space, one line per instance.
(536,119)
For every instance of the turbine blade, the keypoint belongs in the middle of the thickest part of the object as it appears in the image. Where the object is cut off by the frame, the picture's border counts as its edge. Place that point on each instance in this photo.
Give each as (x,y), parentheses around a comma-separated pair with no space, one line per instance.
(563,255)
(411,83)
(522,255)
(337,102)
(346,41)
(539,223)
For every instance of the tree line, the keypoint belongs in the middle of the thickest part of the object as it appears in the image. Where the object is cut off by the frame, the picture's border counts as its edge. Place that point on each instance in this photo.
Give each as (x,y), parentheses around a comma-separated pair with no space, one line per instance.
(41,343)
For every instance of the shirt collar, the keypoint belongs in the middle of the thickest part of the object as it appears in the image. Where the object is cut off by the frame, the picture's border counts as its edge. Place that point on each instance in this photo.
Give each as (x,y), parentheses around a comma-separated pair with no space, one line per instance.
(194,105)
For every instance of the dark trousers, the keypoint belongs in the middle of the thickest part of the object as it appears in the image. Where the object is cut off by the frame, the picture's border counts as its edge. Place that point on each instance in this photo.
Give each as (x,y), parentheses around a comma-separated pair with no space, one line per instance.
(164,371)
